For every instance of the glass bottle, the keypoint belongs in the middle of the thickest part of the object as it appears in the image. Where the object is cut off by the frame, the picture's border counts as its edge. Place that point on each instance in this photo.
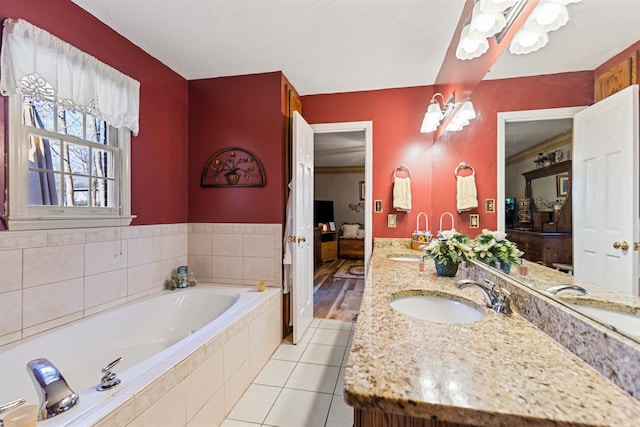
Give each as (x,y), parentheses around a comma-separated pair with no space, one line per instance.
(421,265)
(523,268)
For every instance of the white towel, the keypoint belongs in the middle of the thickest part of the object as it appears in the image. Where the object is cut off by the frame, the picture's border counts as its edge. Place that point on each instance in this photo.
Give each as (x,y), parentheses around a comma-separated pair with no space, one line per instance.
(467,195)
(402,194)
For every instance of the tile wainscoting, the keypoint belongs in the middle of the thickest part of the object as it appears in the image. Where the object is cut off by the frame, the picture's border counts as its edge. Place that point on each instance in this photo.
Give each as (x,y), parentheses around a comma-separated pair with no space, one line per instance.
(51,278)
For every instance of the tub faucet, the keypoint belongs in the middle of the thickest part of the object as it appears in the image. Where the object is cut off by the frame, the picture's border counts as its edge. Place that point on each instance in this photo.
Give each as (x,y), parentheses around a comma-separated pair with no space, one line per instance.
(53,392)
(9,406)
(497,299)
(555,290)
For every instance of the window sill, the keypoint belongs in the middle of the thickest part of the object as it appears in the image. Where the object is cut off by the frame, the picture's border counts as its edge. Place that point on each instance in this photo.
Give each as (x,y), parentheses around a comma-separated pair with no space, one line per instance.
(54,223)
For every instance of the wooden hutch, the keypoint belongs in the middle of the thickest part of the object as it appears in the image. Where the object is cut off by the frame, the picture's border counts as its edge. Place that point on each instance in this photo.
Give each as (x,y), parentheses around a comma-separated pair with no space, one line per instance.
(546,236)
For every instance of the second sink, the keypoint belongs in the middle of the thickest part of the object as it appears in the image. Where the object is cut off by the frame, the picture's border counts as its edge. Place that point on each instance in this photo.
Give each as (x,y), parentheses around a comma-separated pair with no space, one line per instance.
(436,308)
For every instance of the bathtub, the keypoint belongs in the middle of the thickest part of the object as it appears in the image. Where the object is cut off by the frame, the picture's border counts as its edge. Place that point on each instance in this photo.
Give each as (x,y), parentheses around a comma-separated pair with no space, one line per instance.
(152,335)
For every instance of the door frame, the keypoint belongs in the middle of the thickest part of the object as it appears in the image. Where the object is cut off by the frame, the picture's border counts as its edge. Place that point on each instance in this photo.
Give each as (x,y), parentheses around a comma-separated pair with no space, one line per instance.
(520,116)
(367,128)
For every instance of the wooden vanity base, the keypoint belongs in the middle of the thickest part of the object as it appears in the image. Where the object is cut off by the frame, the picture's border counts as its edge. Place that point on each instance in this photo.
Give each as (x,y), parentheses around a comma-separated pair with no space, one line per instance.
(372,418)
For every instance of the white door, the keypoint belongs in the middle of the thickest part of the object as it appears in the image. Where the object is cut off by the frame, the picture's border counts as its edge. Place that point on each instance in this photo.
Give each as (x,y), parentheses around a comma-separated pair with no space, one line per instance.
(302,193)
(605,192)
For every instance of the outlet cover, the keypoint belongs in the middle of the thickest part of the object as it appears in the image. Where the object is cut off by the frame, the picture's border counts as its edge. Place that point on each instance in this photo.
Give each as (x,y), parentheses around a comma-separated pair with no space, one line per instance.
(391,220)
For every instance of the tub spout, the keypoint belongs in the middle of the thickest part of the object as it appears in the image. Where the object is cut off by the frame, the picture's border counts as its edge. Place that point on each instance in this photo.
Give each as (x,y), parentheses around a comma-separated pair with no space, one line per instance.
(55,395)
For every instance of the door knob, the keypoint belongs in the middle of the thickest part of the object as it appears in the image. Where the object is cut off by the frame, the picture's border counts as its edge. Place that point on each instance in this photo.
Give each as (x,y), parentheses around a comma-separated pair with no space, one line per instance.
(624,245)
(294,239)
(636,246)
(301,239)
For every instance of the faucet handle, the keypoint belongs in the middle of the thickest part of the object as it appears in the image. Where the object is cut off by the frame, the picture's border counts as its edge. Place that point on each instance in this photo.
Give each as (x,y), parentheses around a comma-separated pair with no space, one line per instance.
(109,379)
(502,304)
(11,405)
(489,284)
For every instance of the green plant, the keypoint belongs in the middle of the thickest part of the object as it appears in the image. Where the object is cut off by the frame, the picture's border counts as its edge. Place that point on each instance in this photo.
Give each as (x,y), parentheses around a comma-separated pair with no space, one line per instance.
(449,246)
(492,246)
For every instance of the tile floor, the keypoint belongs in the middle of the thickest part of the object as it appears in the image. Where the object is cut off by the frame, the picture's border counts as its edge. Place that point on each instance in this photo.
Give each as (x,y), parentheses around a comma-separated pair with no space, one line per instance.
(301,385)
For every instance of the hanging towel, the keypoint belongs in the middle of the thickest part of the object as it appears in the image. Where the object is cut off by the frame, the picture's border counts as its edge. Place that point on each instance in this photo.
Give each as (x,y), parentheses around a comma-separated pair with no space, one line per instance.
(467,195)
(402,194)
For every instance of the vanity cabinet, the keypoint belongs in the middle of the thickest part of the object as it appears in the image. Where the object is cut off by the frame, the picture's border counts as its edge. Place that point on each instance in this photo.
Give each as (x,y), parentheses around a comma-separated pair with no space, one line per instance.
(545,247)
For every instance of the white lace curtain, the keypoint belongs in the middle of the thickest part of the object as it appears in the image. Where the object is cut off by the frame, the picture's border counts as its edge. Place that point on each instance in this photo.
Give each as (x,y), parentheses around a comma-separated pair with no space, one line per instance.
(35,63)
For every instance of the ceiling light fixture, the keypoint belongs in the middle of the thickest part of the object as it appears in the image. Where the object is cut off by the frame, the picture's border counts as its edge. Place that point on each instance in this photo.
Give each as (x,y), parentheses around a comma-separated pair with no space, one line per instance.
(549,15)
(435,115)
(470,46)
(485,23)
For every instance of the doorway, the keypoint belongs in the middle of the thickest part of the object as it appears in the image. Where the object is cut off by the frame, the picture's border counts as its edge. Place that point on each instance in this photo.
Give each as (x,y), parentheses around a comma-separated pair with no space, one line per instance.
(344,153)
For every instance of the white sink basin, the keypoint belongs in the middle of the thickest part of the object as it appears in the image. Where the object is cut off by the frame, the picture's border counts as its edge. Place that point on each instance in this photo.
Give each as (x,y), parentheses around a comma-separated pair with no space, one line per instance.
(436,309)
(623,322)
(404,258)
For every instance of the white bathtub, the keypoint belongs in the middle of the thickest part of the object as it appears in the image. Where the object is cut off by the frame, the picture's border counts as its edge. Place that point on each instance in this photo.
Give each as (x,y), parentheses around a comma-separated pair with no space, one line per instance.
(147,334)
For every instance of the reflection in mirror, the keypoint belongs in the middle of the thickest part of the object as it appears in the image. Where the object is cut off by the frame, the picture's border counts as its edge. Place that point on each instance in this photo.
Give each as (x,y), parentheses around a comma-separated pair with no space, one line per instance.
(528,211)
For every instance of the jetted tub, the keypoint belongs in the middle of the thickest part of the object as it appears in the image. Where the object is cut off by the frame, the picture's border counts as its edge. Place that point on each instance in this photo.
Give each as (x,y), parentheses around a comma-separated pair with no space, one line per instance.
(145,333)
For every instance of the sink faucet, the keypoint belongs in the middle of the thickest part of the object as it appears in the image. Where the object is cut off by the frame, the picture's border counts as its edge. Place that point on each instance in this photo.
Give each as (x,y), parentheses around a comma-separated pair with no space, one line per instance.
(555,290)
(54,394)
(497,299)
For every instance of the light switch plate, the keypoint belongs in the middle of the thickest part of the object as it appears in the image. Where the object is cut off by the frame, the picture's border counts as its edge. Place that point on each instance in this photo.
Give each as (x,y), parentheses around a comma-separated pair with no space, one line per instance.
(474,221)
(377,206)
(391,220)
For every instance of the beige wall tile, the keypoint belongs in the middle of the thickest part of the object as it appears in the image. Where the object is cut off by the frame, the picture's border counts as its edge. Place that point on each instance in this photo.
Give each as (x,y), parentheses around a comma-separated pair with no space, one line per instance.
(258,268)
(65,237)
(212,414)
(235,386)
(259,245)
(22,239)
(144,277)
(227,245)
(100,257)
(201,265)
(105,287)
(200,244)
(225,267)
(46,326)
(235,352)
(203,383)
(11,277)
(52,264)
(47,302)
(143,250)
(11,313)
(168,410)
(173,246)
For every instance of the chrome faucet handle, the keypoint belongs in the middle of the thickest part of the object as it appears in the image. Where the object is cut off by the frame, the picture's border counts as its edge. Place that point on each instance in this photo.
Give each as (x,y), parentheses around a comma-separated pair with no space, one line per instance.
(490,286)
(54,393)
(502,303)
(109,379)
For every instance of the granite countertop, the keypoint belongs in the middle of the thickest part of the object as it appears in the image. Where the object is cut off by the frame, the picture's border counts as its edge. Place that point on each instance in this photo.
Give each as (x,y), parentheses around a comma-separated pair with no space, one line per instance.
(500,370)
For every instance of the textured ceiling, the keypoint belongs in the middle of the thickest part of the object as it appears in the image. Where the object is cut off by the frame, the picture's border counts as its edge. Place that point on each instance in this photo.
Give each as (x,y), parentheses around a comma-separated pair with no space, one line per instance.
(333,46)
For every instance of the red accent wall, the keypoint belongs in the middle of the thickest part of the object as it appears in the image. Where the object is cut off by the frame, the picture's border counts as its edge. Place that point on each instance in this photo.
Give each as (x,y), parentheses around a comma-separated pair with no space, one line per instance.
(246,112)
(396,115)
(476,143)
(159,152)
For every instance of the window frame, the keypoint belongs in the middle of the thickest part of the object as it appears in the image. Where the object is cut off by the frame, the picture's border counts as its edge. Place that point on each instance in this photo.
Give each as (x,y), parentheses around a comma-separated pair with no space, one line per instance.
(20,215)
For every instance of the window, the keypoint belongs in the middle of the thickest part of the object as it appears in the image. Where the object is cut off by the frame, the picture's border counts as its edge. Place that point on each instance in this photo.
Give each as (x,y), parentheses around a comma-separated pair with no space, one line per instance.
(67,169)
(70,123)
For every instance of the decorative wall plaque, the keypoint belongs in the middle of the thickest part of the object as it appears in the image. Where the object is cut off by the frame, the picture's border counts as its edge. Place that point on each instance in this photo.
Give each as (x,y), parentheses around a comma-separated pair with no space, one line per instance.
(233,167)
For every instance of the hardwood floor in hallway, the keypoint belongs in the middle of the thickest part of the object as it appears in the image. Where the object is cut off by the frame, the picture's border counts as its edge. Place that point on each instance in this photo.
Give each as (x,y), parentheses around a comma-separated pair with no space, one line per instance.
(337,287)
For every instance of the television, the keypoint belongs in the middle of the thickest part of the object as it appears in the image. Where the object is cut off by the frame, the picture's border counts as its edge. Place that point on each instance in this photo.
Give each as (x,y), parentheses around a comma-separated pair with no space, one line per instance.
(323,211)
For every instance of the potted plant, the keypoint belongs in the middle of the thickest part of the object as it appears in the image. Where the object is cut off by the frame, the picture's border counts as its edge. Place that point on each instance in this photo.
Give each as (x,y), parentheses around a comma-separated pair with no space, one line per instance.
(448,250)
(492,247)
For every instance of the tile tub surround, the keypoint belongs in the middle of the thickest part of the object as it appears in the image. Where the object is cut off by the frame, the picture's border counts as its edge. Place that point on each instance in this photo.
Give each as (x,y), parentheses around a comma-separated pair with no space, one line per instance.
(51,278)
(500,369)
(236,254)
(200,385)
(615,356)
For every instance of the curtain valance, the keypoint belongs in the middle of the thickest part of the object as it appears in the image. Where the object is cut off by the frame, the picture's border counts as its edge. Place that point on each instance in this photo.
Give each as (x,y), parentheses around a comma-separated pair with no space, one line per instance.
(33,62)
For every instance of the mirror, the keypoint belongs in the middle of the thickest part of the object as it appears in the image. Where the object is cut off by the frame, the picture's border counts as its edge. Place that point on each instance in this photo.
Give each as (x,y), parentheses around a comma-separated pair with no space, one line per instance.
(541,234)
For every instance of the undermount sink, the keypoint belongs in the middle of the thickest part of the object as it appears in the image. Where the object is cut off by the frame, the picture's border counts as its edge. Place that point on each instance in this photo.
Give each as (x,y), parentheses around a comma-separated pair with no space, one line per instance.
(624,322)
(436,308)
(404,258)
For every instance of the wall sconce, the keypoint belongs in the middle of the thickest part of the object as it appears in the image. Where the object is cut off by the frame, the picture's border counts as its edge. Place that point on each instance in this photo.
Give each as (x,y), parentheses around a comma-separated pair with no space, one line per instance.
(462,117)
(435,115)
(549,15)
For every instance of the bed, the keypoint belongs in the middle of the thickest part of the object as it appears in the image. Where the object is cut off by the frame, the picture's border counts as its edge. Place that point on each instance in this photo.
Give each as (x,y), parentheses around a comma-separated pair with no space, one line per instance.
(351,241)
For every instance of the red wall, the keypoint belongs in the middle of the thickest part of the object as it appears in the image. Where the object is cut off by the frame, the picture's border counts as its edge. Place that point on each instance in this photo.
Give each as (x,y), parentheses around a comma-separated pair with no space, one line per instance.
(476,143)
(396,115)
(159,152)
(242,111)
